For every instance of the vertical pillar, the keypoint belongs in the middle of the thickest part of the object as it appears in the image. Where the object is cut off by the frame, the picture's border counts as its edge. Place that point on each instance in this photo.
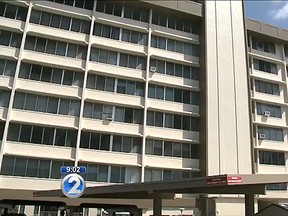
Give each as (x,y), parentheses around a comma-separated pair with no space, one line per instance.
(249,205)
(157,206)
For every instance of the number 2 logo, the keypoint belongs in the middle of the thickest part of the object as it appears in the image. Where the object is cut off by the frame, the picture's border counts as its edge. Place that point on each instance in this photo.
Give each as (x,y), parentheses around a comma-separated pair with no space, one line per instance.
(73,185)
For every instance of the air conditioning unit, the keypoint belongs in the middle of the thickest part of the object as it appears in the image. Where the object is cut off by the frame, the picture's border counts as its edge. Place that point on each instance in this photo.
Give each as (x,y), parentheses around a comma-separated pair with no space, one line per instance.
(261,136)
(266,113)
(108,116)
(153,69)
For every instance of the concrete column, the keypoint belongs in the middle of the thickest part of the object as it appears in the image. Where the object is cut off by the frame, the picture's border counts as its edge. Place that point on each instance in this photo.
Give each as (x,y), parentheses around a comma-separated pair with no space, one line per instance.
(249,205)
(157,207)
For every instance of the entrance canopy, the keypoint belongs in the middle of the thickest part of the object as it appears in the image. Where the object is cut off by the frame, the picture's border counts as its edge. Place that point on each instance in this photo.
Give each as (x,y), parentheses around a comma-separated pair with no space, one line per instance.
(220,184)
(249,185)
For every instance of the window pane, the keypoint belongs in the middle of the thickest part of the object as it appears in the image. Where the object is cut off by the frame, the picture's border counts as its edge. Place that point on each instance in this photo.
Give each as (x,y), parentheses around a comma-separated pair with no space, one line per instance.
(119,114)
(115,175)
(61,48)
(16,40)
(55,169)
(24,71)
(52,105)
(105,142)
(57,76)
(44,167)
(48,136)
(13,132)
(37,133)
(72,49)
(95,141)
(65,23)
(168,148)
(25,133)
(55,21)
(158,119)
(71,138)
(51,47)
(5,38)
(117,143)
(35,72)
(60,137)
(30,102)
(20,167)
(85,139)
(46,74)
(45,19)
(40,45)
(10,11)
(32,168)
(102,173)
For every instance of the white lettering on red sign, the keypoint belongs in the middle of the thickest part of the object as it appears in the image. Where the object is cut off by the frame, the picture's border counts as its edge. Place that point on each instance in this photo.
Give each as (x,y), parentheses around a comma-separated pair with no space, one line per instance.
(234,179)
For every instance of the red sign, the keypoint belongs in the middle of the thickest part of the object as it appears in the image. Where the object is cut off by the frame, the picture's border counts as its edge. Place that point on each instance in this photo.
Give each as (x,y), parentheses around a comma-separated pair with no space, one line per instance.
(215,180)
(234,179)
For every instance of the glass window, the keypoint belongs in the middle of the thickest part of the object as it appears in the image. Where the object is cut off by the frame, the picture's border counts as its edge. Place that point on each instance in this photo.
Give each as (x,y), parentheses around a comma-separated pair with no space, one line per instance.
(8,165)
(4,98)
(51,46)
(102,173)
(35,72)
(158,119)
(72,50)
(40,45)
(76,25)
(44,167)
(105,142)
(71,138)
(65,23)
(64,106)
(46,74)
(37,133)
(10,11)
(35,16)
(95,141)
(57,76)
(25,133)
(13,132)
(117,143)
(20,166)
(55,21)
(115,175)
(52,105)
(61,48)
(30,102)
(119,114)
(32,168)
(5,38)
(60,137)
(88,109)
(74,108)
(56,165)
(168,120)
(45,19)
(48,136)
(85,139)
(21,13)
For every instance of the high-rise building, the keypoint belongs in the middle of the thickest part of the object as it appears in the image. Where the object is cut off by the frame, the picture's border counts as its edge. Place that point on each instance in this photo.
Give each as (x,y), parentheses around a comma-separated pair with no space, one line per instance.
(138,91)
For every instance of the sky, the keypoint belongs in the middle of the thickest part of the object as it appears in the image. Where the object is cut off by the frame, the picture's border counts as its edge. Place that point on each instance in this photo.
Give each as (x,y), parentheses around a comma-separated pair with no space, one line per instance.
(274,12)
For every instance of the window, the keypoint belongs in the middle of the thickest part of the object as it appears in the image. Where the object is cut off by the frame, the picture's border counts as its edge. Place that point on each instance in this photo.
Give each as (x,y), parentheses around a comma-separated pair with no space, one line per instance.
(4,98)
(2,125)
(110,57)
(173,69)
(263,45)
(134,37)
(46,104)
(175,46)
(274,110)
(106,31)
(168,175)
(85,4)
(29,167)
(173,94)
(169,21)
(122,114)
(7,67)
(126,144)
(116,9)
(265,66)
(130,87)
(271,133)
(55,47)
(10,39)
(42,135)
(274,187)
(12,11)
(272,158)
(172,149)
(266,87)
(172,121)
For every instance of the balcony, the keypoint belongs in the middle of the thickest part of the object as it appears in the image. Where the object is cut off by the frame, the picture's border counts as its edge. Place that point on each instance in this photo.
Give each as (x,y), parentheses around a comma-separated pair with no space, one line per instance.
(31,150)
(49,88)
(6,82)
(268,169)
(8,24)
(39,118)
(117,71)
(270,120)
(259,96)
(114,98)
(174,81)
(11,52)
(174,34)
(174,107)
(112,127)
(171,162)
(174,56)
(53,60)
(108,157)
(271,145)
(49,32)
(268,76)
(172,134)
(121,22)
(118,45)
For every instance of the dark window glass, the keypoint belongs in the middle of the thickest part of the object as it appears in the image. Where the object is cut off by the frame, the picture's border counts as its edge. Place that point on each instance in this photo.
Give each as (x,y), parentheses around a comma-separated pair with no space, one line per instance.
(60,137)
(7,165)
(10,11)
(37,134)
(25,133)
(55,21)
(13,132)
(48,136)
(20,166)
(32,168)
(44,167)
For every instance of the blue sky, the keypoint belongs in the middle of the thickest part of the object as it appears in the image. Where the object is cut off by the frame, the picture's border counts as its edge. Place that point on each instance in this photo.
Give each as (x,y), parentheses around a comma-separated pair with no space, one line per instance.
(274,12)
